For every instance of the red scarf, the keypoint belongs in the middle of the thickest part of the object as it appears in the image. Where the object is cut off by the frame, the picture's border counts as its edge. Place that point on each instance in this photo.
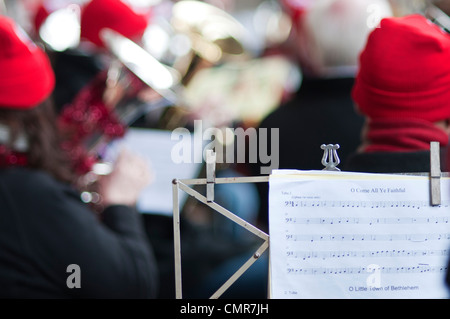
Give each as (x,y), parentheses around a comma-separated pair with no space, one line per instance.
(402,135)
(9,157)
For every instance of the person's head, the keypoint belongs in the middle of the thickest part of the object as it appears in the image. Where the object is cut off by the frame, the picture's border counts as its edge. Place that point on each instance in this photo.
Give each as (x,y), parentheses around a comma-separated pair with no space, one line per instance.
(26,113)
(333,32)
(404,71)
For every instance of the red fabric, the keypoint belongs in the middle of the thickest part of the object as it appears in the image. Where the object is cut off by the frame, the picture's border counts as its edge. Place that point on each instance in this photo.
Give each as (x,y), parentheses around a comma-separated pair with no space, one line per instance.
(112,14)
(296,8)
(39,18)
(405,71)
(9,157)
(402,135)
(26,75)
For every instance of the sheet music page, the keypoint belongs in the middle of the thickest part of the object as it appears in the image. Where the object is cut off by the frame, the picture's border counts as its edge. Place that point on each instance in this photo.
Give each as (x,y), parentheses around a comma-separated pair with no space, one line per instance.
(155,147)
(356,235)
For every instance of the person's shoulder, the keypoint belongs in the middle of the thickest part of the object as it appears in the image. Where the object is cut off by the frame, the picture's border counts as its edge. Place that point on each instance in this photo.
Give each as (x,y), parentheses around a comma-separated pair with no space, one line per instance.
(25,180)
(34,191)
(389,162)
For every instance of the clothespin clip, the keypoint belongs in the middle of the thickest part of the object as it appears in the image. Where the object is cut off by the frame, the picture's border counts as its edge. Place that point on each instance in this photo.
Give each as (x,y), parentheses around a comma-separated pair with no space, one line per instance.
(210,175)
(435,174)
(330,158)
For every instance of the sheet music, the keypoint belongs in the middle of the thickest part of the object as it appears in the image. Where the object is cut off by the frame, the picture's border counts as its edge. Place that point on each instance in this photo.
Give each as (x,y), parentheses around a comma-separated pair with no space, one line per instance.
(155,147)
(354,235)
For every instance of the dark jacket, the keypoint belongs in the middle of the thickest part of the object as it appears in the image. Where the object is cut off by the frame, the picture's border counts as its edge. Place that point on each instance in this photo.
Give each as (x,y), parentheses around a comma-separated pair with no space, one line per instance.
(45,228)
(321,112)
(392,162)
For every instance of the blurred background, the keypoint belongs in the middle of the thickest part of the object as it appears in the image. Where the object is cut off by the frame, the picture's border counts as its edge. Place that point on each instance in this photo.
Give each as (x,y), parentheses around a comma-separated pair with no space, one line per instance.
(133,71)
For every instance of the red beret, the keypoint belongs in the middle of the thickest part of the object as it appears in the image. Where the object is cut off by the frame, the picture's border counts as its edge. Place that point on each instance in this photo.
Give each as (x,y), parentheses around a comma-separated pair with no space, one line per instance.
(26,75)
(405,71)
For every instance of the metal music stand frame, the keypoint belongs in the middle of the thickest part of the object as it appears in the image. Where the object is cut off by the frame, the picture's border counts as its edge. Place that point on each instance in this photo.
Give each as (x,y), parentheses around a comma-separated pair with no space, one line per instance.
(209,201)
(330,160)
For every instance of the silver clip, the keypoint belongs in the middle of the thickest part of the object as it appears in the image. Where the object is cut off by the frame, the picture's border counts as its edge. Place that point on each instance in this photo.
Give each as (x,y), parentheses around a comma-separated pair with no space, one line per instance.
(330,157)
(435,174)
(210,175)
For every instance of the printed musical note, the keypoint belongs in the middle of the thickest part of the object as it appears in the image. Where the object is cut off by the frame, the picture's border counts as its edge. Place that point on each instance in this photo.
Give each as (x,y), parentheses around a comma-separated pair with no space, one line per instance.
(367,220)
(368,237)
(364,253)
(363,270)
(359,204)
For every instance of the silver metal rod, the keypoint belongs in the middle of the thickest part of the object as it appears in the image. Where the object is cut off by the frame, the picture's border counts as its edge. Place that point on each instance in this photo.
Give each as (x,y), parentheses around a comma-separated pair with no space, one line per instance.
(177,240)
(226,180)
(269,282)
(241,270)
(223,211)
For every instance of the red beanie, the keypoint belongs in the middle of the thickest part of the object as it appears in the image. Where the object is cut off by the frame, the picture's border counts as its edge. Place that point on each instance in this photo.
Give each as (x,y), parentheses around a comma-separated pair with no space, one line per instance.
(405,71)
(112,14)
(26,75)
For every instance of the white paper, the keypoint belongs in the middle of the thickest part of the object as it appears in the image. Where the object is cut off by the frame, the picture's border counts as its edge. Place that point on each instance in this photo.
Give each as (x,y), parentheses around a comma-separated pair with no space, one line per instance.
(155,147)
(352,235)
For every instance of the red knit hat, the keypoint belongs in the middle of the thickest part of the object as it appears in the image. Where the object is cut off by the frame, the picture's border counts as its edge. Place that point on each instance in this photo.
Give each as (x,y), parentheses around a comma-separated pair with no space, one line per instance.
(26,75)
(405,71)
(112,14)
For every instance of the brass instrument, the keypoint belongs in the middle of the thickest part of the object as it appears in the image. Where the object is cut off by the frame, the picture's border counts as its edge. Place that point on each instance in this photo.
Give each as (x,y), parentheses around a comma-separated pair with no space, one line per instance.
(196,35)
(211,44)
(215,35)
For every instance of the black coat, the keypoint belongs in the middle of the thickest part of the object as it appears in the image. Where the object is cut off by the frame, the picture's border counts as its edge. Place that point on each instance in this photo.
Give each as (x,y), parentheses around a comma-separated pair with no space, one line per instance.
(321,112)
(392,162)
(44,228)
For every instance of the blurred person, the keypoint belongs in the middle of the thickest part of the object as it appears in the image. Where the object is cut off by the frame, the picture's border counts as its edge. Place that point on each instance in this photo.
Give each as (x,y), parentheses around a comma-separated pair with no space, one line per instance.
(203,248)
(402,89)
(329,36)
(52,244)
(90,81)
(77,66)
